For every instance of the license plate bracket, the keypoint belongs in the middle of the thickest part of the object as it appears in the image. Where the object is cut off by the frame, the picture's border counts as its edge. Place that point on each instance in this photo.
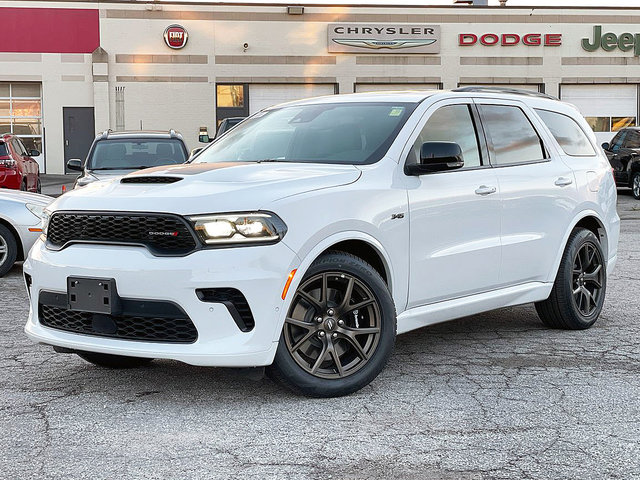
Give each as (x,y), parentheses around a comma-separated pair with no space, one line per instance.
(95,295)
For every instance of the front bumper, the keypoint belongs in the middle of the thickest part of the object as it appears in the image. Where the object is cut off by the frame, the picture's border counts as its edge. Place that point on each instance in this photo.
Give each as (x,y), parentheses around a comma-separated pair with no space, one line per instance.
(258,272)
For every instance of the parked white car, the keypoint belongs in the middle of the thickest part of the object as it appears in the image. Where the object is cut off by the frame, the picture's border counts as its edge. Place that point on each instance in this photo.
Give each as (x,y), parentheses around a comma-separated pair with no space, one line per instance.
(20,219)
(308,236)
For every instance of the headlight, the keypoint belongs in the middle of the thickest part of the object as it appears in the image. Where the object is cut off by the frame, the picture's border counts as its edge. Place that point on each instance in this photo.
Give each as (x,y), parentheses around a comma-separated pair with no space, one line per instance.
(37,210)
(46,216)
(239,228)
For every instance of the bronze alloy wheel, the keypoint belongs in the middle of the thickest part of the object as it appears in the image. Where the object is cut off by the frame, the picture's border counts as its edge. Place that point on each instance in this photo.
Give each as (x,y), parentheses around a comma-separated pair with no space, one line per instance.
(333,326)
(587,279)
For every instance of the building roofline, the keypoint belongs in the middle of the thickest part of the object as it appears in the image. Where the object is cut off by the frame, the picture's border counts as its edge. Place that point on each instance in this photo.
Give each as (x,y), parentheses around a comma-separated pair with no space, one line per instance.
(284,3)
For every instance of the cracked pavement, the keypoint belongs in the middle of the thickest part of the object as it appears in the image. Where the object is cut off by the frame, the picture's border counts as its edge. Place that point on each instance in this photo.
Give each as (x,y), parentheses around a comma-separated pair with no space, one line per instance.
(495,395)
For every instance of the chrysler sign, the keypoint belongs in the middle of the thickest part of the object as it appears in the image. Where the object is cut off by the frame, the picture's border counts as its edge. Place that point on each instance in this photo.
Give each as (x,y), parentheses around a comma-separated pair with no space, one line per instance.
(364,38)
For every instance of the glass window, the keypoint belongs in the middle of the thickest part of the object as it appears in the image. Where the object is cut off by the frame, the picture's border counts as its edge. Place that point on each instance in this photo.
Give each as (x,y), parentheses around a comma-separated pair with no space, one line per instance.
(567,132)
(5,108)
(4,90)
(4,151)
(452,123)
(17,146)
(25,108)
(26,126)
(621,122)
(134,154)
(513,137)
(599,124)
(632,139)
(32,143)
(230,96)
(27,90)
(346,133)
(616,142)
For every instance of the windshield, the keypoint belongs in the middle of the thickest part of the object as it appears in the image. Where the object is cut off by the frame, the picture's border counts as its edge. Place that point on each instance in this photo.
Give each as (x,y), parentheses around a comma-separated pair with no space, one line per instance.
(132,154)
(348,133)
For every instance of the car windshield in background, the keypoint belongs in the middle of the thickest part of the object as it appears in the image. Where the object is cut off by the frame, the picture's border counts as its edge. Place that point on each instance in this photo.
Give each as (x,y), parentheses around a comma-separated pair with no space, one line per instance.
(132,154)
(347,133)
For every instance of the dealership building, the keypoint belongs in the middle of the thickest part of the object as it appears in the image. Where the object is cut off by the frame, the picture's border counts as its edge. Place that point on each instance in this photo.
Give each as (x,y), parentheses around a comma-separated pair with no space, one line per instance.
(71,69)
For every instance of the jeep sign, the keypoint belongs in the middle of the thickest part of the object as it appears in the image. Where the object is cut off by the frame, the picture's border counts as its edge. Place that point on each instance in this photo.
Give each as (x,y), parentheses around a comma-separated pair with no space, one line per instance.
(610,41)
(363,38)
(175,36)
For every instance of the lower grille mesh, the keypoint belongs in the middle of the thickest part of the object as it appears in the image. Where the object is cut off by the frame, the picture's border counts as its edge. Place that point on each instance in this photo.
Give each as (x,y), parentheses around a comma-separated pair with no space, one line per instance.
(152,329)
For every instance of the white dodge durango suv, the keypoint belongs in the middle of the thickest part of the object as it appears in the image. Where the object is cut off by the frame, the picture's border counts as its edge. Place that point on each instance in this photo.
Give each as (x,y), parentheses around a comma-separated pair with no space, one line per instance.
(307,237)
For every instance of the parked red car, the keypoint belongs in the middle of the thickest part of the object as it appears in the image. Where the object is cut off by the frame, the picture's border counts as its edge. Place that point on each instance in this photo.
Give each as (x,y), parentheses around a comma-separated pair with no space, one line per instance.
(18,171)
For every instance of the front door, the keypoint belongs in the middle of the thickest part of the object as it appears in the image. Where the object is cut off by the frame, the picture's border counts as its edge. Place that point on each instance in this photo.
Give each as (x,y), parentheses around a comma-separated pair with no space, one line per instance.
(79,132)
(454,215)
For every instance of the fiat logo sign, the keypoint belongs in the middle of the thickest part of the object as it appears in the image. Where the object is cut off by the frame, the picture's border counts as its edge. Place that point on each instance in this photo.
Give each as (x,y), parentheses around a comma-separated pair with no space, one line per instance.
(175,36)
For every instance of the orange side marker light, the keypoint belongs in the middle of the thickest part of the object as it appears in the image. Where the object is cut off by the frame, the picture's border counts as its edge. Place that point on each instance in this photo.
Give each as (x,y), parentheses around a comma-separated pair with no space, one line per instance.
(35,229)
(286,285)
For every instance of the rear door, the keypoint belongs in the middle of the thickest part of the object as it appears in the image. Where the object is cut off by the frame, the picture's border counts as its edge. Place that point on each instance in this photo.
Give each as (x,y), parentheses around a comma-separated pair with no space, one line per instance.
(538,191)
(455,214)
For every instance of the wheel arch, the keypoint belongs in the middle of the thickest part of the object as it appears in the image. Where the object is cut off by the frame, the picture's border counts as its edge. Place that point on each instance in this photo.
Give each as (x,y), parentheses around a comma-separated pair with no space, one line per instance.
(14,232)
(590,220)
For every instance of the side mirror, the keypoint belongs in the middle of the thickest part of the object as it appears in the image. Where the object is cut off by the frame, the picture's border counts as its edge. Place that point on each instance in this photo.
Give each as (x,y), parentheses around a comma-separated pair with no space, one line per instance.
(75,164)
(437,157)
(204,138)
(34,153)
(605,145)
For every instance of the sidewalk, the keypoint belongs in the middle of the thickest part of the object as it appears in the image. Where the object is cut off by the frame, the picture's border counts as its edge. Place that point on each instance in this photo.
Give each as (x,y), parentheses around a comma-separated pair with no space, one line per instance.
(52,184)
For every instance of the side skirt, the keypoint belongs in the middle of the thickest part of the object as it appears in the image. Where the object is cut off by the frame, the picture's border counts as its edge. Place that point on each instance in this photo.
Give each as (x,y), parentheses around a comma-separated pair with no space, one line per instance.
(482,302)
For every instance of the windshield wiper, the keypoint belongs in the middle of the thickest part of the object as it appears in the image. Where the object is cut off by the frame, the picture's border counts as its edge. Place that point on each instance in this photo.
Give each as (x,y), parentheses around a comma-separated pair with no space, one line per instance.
(271,160)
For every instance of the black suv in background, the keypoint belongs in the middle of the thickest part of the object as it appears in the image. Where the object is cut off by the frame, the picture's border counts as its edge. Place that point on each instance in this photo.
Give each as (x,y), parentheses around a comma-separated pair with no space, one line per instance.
(115,154)
(623,153)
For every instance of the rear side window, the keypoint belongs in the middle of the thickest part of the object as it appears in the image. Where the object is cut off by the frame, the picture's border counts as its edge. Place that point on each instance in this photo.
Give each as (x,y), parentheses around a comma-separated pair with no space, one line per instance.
(513,137)
(567,132)
(632,140)
(3,150)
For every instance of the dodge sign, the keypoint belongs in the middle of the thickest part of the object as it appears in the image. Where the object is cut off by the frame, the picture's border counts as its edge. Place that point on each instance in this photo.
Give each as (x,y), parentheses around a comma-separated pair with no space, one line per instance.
(363,38)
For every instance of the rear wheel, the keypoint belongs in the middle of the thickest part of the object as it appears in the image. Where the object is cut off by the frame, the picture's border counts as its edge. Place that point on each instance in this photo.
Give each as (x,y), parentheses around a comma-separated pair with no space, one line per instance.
(635,185)
(38,185)
(114,361)
(23,185)
(339,331)
(577,296)
(8,250)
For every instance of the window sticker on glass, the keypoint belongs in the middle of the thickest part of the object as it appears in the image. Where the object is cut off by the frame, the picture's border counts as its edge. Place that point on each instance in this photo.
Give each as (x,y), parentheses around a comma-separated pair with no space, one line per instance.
(396,111)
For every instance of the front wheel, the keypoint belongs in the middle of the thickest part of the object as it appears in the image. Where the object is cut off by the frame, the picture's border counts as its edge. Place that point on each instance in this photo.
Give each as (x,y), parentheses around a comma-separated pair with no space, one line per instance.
(8,250)
(577,296)
(114,361)
(339,331)
(635,185)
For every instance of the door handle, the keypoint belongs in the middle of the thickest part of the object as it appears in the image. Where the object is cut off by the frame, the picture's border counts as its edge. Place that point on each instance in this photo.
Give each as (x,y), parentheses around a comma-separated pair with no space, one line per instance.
(485,190)
(563,182)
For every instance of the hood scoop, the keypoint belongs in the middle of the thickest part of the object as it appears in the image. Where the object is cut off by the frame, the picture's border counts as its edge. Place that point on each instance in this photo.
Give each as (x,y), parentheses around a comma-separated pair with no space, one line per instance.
(142,179)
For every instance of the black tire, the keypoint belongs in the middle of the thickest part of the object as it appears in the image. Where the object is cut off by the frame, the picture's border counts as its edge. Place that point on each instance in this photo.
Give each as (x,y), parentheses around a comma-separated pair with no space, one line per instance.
(8,250)
(38,186)
(114,361)
(635,185)
(288,372)
(23,185)
(562,309)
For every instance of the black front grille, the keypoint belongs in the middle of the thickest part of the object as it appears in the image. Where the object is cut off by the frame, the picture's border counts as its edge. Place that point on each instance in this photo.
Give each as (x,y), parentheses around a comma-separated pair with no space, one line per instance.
(162,234)
(143,179)
(127,327)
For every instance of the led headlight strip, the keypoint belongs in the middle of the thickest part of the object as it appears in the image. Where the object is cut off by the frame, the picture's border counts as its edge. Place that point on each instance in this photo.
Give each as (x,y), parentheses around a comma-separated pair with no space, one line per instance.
(244,228)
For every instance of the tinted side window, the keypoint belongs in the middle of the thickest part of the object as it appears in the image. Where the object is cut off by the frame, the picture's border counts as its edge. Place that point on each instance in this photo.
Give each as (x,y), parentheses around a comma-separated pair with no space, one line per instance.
(616,143)
(567,132)
(632,140)
(514,138)
(17,147)
(452,123)
(4,151)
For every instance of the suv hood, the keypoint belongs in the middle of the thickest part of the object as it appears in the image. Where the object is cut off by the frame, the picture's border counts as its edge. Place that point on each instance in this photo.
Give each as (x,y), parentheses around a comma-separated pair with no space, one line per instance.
(207,188)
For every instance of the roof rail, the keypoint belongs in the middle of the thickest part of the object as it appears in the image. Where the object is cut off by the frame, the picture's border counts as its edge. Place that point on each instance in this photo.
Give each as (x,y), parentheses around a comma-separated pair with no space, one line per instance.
(105,134)
(513,91)
(172,133)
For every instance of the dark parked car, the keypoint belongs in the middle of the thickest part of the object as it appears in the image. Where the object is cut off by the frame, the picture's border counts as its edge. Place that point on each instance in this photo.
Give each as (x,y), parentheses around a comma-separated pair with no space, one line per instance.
(624,156)
(114,154)
(18,171)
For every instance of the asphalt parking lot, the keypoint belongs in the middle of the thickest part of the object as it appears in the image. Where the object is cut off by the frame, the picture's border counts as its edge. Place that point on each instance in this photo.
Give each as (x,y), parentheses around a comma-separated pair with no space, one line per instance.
(491,396)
